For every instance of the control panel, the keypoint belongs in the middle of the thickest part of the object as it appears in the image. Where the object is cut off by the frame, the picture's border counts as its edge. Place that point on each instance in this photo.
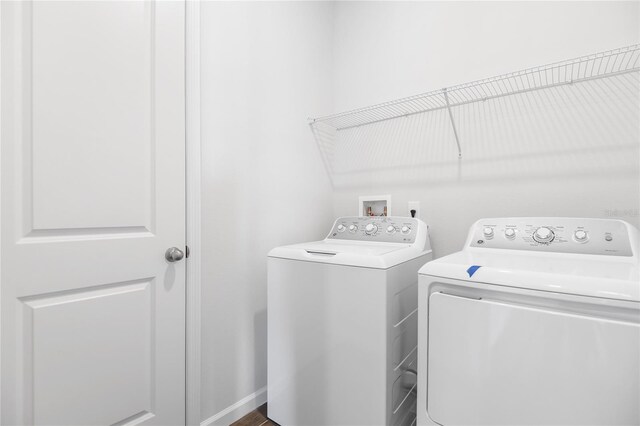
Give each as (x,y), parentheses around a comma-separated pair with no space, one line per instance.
(377,228)
(562,235)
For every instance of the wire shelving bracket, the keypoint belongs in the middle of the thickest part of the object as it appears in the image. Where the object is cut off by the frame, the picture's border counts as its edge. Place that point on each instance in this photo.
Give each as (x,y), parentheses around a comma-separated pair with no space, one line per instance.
(595,66)
(453,122)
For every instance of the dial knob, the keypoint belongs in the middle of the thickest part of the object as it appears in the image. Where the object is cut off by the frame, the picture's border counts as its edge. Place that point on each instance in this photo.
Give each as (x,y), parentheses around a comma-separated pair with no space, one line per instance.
(370,228)
(488,232)
(580,236)
(543,235)
(405,229)
(341,228)
(353,228)
(391,229)
(510,233)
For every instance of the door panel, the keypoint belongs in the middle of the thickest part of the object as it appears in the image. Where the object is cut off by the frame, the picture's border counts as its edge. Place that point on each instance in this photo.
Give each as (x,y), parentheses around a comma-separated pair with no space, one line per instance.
(91,65)
(92,181)
(60,350)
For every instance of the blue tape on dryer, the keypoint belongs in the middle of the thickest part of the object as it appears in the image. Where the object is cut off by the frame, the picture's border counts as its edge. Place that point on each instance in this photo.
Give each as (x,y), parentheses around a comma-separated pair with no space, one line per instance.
(472,270)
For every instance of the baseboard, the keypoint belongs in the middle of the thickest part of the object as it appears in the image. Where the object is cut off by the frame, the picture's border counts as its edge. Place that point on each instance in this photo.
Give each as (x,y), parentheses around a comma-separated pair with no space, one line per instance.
(238,410)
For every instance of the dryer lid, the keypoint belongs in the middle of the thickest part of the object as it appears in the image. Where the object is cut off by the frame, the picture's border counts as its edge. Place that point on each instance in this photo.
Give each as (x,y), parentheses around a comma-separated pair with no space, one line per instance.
(569,274)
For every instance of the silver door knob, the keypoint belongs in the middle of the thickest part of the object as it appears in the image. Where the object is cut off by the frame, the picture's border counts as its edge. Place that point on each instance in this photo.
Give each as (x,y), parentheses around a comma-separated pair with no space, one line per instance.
(173,254)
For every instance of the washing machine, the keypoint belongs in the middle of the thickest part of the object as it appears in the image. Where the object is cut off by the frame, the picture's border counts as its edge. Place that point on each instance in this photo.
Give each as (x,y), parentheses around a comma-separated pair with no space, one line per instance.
(342,324)
(536,321)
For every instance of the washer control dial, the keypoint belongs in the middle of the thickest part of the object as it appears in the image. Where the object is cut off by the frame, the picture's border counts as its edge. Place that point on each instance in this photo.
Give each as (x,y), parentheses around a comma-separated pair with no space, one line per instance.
(581,236)
(391,229)
(488,232)
(341,228)
(543,235)
(371,228)
(353,228)
(510,233)
(405,229)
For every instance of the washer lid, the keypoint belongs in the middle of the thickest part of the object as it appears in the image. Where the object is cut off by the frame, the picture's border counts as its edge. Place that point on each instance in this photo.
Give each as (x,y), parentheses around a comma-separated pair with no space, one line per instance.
(350,253)
(597,276)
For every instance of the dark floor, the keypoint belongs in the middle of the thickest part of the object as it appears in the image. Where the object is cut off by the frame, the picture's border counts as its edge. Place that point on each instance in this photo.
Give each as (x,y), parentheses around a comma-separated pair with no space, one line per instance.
(256,418)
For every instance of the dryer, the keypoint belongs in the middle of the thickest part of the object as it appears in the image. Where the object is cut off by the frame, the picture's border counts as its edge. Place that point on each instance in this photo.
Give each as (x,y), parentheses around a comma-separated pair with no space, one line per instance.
(536,321)
(342,324)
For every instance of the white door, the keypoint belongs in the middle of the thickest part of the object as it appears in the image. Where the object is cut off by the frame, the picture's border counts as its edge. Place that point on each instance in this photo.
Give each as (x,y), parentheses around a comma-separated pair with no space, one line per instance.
(92,184)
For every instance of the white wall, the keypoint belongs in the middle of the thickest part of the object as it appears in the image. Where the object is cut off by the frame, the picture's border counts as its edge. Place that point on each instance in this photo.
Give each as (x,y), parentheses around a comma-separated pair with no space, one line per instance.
(265,67)
(566,152)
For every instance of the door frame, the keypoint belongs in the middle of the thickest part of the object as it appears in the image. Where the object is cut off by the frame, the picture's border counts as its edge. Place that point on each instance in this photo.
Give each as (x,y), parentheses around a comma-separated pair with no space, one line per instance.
(193,213)
(1,65)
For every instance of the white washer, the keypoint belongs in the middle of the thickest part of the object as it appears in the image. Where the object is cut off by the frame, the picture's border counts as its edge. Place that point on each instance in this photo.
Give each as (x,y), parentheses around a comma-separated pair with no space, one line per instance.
(536,321)
(342,324)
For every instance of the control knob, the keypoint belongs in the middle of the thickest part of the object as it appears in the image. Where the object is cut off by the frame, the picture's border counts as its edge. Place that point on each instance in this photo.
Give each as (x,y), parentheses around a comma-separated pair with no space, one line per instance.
(488,232)
(543,235)
(353,228)
(341,228)
(405,229)
(370,228)
(510,233)
(391,229)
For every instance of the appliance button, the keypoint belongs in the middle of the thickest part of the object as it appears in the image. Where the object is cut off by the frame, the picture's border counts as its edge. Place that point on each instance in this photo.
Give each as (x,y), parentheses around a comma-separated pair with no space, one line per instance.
(581,236)
(405,229)
(391,229)
(543,235)
(370,228)
(608,237)
(510,233)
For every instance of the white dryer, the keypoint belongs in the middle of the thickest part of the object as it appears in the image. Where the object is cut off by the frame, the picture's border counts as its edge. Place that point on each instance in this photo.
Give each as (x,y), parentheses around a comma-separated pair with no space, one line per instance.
(536,321)
(342,324)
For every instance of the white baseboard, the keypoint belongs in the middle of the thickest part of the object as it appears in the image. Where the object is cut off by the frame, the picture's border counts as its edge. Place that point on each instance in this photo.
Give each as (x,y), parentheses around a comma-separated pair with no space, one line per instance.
(238,410)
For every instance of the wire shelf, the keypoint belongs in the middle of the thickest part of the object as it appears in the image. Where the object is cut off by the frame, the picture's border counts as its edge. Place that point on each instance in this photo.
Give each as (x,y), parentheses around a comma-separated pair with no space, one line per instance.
(594,66)
(584,96)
